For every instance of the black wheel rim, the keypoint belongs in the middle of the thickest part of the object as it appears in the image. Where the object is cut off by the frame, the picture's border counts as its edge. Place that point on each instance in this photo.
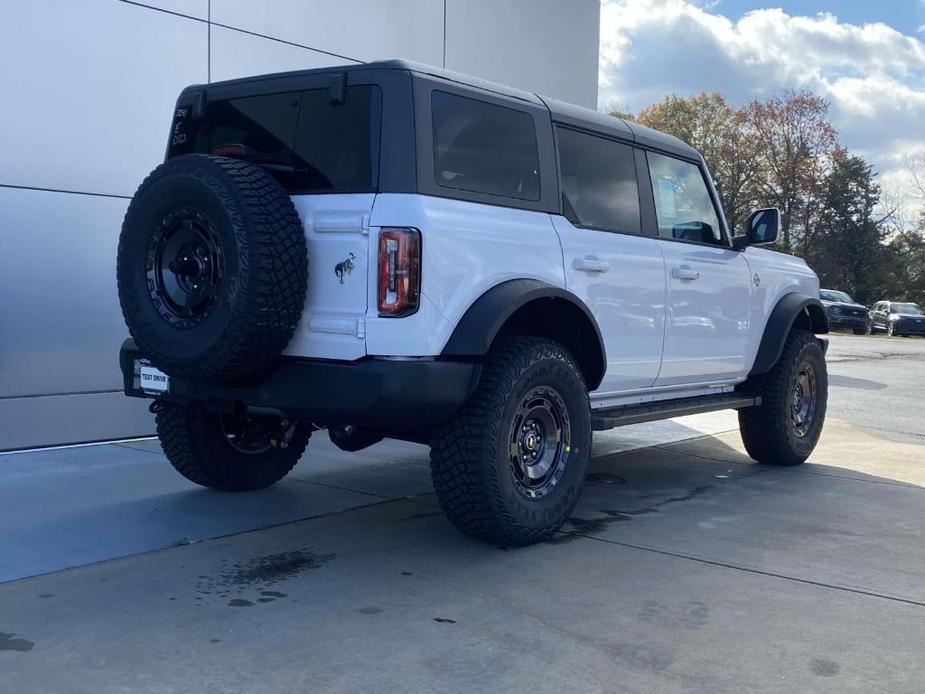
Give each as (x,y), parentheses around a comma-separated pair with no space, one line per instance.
(803,400)
(539,442)
(185,268)
(248,435)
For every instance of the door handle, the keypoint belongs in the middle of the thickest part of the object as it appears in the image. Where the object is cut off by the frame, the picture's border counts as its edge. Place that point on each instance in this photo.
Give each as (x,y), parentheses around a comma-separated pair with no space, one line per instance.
(684,273)
(591,263)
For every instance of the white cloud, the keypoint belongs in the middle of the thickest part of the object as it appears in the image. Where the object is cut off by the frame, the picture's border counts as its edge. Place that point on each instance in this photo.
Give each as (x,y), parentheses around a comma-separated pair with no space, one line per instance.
(873,75)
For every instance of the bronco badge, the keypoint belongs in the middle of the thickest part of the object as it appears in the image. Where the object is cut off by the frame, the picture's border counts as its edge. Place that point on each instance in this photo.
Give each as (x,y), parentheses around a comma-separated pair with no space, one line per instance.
(345,267)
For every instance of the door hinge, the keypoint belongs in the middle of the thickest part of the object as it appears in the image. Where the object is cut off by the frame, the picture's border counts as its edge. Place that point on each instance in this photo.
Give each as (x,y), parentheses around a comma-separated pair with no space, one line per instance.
(361,328)
(365,227)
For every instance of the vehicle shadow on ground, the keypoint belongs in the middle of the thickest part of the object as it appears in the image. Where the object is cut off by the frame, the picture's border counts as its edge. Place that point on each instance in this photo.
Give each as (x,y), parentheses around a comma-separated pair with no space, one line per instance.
(708,482)
(852,382)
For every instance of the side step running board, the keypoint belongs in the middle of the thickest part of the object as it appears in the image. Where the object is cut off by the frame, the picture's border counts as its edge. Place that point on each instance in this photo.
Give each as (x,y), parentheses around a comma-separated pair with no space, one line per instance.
(663,409)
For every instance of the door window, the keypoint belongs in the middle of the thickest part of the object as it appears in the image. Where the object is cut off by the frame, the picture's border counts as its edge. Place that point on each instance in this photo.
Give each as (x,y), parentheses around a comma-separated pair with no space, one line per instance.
(598,180)
(683,205)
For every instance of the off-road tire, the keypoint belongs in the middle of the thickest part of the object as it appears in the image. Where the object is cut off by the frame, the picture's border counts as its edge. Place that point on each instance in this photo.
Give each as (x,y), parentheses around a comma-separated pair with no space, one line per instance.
(472,473)
(264,268)
(858,331)
(767,430)
(197,447)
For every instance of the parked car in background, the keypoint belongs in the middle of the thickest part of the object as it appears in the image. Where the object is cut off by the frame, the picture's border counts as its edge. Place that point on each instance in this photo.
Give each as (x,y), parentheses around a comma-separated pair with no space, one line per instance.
(843,312)
(897,318)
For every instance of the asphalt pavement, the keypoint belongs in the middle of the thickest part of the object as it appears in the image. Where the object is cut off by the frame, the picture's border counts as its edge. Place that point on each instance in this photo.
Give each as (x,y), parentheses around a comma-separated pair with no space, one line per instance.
(879,382)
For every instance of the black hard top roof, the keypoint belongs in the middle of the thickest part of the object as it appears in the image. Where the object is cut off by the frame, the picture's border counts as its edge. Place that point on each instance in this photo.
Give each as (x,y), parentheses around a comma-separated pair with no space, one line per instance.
(561,111)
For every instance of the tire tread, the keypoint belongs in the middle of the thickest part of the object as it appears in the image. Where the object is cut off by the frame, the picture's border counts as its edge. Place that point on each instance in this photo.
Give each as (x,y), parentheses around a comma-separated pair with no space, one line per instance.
(463,450)
(765,428)
(272,278)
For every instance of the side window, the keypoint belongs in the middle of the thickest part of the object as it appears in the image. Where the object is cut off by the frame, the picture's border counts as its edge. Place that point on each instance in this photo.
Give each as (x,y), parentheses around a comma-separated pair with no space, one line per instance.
(682,202)
(598,180)
(484,148)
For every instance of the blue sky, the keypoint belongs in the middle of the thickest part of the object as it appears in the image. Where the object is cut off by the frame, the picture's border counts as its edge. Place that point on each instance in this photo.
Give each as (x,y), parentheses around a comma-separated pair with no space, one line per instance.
(905,15)
(866,58)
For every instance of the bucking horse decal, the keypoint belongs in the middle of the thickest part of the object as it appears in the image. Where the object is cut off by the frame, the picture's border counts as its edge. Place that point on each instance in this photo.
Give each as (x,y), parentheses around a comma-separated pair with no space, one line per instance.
(345,267)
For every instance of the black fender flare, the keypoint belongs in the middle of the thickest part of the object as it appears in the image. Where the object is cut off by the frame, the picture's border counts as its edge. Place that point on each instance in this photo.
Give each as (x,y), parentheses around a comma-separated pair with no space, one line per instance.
(484,319)
(789,309)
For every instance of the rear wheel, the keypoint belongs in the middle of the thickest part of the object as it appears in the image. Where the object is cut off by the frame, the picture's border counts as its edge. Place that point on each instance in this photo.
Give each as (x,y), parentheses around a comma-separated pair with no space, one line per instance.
(229,452)
(509,468)
(785,428)
(860,331)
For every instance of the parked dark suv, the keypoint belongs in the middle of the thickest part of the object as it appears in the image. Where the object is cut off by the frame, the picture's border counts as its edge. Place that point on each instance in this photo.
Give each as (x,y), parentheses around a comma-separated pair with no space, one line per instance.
(897,318)
(844,313)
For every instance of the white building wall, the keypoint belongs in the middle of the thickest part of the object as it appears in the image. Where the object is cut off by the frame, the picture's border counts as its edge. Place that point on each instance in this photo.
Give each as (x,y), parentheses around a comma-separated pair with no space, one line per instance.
(86,93)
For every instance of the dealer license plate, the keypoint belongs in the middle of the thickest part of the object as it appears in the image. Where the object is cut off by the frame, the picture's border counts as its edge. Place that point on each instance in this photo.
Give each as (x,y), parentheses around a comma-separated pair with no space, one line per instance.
(150,379)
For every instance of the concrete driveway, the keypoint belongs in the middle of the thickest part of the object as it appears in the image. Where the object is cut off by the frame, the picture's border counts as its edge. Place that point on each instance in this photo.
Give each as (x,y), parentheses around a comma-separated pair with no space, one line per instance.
(685,568)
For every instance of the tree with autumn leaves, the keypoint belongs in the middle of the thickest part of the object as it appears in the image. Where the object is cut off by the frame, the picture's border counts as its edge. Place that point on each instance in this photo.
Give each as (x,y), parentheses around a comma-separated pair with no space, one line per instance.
(784,152)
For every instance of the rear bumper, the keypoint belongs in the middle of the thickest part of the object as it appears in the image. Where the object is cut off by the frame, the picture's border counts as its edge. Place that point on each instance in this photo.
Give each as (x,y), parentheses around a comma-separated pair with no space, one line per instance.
(377,394)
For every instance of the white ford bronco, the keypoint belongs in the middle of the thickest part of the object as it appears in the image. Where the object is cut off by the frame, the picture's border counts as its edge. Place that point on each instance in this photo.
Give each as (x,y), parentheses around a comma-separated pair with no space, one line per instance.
(393,250)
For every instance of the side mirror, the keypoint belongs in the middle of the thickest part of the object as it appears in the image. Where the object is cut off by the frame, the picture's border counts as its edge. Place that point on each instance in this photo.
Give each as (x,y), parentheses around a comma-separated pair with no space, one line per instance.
(761,228)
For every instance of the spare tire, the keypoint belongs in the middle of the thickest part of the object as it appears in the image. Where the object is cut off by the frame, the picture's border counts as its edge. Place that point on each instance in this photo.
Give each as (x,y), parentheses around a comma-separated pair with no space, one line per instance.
(212,268)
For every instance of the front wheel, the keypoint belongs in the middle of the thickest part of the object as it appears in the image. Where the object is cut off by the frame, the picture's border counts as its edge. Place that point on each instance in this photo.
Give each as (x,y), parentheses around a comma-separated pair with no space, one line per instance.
(785,428)
(860,331)
(227,452)
(509,468)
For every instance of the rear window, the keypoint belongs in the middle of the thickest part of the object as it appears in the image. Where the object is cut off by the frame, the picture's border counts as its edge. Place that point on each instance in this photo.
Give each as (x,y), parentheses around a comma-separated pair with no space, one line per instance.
(305,141)
(484,148)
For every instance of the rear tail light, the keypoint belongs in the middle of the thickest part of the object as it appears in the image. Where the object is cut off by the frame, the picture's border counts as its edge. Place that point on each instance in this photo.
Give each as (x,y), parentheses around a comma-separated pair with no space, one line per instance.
(399,271)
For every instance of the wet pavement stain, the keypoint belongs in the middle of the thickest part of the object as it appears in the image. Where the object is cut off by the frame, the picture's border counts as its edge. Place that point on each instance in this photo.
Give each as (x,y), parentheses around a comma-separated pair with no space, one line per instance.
(418,516)
(407,573)
(370,610)
(824,667)
(444,620)
(604,478)
(8,643)
(258,574)
(590,526)
(635,512)
(45,596)
(273,568)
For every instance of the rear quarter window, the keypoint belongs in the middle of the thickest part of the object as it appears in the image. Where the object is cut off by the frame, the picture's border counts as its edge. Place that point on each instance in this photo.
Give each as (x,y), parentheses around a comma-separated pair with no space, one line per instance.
(482,147)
